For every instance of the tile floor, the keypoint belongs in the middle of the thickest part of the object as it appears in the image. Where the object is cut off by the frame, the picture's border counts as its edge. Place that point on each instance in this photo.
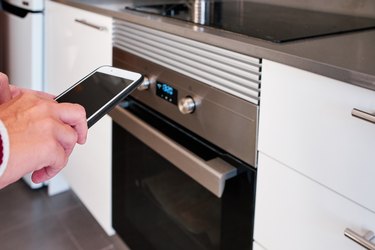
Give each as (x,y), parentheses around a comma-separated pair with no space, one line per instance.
(31,220)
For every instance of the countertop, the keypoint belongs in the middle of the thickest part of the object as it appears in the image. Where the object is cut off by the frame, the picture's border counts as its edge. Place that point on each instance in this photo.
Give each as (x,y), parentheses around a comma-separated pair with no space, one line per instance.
(347,57)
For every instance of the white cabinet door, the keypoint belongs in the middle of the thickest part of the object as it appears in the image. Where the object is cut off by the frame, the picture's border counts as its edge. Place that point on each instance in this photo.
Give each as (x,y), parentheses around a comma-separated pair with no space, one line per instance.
(294,212)
(256,246)
(73,49)
(306,123)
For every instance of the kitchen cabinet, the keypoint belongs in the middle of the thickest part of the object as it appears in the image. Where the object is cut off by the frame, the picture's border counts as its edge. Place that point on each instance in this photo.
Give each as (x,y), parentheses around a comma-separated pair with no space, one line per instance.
(256,246)
(77,42)
(295,212)
(315,168)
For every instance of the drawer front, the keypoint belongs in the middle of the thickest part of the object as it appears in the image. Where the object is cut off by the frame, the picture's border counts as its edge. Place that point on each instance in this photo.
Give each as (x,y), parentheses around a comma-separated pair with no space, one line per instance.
(306,123)
(256,246)
(294,212)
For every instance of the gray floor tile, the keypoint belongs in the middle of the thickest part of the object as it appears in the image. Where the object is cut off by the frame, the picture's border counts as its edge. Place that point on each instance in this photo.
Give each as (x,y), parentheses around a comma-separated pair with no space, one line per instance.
(118,244)
(42,234)
(85,230)
(19,208)
(31,220)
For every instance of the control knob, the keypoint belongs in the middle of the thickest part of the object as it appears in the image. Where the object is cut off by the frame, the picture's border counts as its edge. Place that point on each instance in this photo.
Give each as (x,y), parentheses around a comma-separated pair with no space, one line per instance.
(186,105)
(145,85)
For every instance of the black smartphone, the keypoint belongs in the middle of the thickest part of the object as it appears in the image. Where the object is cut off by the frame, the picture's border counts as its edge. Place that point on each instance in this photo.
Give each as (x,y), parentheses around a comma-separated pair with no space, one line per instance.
(101,90)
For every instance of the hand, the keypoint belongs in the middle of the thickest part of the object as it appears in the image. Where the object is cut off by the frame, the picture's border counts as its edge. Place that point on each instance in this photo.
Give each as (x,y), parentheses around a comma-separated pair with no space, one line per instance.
(42,134)
(5,93)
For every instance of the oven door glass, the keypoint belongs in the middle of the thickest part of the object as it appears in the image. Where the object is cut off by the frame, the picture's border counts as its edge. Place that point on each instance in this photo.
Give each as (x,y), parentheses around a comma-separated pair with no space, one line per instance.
(157,206)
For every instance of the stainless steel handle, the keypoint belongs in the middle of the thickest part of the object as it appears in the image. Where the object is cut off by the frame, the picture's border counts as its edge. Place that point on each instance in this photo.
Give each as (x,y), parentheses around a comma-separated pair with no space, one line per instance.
(84,22)
(363,115)
(211,174)
(364,241)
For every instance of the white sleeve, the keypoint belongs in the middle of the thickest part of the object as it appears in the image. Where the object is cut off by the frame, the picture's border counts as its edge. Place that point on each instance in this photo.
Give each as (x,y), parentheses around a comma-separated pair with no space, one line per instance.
(5,147)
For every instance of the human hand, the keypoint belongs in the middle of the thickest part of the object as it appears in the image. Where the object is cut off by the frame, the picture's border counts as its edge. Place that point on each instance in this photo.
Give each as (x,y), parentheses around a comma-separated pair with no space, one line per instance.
(42,134)
(5,93)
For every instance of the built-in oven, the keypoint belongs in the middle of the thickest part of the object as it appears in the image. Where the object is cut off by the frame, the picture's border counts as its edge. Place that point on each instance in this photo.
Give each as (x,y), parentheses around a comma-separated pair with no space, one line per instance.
(184,149)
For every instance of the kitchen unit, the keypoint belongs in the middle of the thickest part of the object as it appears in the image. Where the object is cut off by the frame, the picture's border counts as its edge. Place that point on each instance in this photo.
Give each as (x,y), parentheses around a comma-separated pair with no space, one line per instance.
(297,170)
(77,42)
(316,161)
(182,179)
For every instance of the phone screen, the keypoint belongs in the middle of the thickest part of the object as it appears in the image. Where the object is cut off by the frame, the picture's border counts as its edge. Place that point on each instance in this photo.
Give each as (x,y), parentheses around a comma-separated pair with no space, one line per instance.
(95,91)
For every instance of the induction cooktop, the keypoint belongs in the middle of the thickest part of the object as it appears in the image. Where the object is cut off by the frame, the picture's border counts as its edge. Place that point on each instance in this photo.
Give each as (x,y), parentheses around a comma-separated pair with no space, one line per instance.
(268,22)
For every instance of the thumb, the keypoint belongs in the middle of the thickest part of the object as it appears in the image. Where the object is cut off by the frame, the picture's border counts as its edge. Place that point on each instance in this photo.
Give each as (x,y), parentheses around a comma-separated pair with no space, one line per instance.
(5,94)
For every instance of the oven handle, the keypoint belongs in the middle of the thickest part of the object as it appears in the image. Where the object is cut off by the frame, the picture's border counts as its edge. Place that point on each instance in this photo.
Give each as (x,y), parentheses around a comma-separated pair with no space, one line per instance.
(211,174)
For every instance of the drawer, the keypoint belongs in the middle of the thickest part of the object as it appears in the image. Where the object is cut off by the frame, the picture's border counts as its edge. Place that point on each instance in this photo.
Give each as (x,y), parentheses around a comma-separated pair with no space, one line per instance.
(293,212)
(306,123)
(256,246)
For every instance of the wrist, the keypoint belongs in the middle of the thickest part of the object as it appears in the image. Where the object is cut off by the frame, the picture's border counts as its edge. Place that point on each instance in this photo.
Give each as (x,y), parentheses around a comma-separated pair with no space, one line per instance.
(4,148)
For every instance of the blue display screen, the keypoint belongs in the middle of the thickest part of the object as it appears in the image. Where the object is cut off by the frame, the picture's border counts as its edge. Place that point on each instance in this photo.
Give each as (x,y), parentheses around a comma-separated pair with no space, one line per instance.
(166,92)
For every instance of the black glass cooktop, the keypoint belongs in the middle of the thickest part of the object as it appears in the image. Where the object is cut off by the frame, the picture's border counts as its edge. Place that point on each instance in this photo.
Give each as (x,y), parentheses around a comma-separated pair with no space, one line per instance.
(269,22)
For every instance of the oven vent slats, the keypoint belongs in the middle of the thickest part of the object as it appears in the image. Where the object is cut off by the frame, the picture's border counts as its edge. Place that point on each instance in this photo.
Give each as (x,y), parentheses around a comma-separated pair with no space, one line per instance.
(229,71)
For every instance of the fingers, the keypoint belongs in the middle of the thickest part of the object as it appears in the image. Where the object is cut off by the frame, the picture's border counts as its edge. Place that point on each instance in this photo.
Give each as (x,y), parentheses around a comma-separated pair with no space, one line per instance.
(75,116)
(73,130)
(67,138)
(5,94)
(44,174)
(40,176)
(49,172)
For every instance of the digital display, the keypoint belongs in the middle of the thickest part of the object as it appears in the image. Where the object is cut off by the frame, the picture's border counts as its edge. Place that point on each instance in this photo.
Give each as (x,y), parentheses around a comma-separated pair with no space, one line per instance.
(166,92)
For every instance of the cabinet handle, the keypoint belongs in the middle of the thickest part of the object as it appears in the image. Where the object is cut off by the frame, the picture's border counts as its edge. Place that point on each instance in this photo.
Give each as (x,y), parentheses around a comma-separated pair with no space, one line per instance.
(364,241)
(84,22)
(363,115)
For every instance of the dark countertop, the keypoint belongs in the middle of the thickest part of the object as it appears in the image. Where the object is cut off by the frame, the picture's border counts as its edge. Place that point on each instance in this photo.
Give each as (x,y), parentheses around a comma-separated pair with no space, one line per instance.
(347,57)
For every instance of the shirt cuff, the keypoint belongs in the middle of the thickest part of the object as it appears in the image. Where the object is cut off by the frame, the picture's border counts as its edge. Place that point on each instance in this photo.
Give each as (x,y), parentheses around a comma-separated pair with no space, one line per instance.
(5,147)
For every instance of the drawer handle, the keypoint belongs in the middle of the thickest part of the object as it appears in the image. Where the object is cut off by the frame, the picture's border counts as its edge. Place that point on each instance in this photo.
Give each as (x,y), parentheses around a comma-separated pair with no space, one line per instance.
(364,241)
(84,22)
(363,115)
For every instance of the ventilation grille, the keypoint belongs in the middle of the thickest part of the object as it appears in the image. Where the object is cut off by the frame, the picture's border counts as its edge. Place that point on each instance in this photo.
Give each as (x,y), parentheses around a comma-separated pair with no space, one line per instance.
(229,71)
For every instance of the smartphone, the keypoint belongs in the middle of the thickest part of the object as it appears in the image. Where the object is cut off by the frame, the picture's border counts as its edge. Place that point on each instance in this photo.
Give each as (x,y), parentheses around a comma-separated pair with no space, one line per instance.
(101,90)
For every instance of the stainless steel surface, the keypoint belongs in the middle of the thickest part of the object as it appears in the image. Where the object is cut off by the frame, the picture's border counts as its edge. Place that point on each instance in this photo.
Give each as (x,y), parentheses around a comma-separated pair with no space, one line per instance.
(364,241)
(231,72)
(363,115)
(222,119)
(349,58)
(211,174)
(84,22)
(186,105)
(201,11)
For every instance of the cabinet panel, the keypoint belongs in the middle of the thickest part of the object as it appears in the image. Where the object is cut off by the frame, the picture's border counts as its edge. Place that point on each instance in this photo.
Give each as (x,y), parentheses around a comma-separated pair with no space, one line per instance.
(256,246)
(73,50)
(306,123)
(293,212)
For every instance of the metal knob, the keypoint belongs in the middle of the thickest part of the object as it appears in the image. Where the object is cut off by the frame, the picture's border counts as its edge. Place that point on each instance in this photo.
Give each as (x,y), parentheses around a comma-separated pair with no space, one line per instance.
(145,85)
(186,105)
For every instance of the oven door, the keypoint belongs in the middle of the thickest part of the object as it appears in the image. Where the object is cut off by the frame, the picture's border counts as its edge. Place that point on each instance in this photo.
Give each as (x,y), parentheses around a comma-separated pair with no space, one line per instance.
(172,190)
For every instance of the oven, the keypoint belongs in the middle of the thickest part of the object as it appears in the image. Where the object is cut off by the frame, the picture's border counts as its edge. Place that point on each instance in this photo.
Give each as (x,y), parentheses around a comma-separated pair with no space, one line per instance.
(184,144)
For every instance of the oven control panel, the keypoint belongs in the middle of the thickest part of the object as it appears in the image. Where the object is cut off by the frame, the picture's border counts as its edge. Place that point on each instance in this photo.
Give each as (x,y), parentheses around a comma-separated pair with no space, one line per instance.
(167,92)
